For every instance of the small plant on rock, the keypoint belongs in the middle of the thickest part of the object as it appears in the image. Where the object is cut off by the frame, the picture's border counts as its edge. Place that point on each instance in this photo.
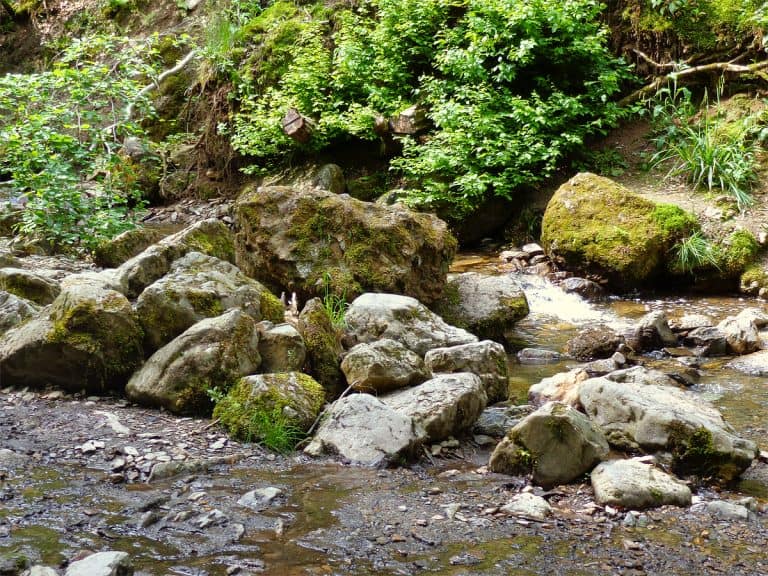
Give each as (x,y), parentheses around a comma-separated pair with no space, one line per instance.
(694,252)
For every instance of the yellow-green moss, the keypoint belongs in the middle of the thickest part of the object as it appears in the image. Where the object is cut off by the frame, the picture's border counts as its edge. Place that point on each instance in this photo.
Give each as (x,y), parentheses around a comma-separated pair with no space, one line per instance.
(217,244)
(737,252)
(271,308)
(38,290)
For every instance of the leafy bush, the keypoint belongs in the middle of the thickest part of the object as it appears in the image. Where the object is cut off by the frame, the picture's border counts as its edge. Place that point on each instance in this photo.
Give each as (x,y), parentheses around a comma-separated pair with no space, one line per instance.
(511,86)
(61,134)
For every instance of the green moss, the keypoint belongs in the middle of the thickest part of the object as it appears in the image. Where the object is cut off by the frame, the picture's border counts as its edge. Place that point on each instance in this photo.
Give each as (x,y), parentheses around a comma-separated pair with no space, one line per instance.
(737,252)
(753,279)
(271,307)
(694,452)
(32,288)
(676,222)
(219,245)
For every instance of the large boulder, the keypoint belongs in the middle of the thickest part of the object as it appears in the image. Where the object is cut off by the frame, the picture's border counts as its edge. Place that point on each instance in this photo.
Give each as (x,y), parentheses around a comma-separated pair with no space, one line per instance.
(323,345)
(593,225)
(562,387)
(664,418)
(211,237)
(363,429)
(196,287)
(486,359)
(14,311)
(212,354)
(447,405)
(281,347)
(382,366)
(636,485)
(593,343)
(295,240)
(488,306)
(260,403)
(112,253)
(557,443)
(28,285)
(88,339)
(741,333)
(372,317)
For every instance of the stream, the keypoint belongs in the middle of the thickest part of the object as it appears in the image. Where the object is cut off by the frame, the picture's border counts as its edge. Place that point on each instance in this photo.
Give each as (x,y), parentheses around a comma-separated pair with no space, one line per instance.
(439,516)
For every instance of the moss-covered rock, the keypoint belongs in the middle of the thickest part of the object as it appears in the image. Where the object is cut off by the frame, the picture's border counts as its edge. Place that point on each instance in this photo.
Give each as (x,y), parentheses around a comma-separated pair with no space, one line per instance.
(14,311)
(211,355)
(303,240)
(593,225)
(263,403)
(88,339)
(197,287)
(114,252)
(28,285)
(382,366)
(487,306)
(754,280)
(323,344)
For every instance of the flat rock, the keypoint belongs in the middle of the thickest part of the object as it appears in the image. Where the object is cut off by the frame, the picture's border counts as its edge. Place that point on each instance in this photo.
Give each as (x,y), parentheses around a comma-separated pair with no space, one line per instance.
(486,359)
(528,505)
(102,564)
(382,366)
(755,364)
(636,485)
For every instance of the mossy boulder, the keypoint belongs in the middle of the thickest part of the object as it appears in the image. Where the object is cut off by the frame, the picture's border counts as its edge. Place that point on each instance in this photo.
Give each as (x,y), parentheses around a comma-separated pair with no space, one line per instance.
(88,339)
(14,311)
(557,443)
(595,226)
(487,306)
(211,237)
(304,240)
(196,287)
(212,354)
(323,344)
(382,366)
(663,418)
(289,399)
(28,285)
(114,252)
(754,280)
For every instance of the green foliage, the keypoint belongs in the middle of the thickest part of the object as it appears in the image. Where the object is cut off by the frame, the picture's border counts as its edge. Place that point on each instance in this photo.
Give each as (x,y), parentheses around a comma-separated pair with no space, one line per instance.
(335,305)
(511,87)
(696,147)
(694,253)
(61,134)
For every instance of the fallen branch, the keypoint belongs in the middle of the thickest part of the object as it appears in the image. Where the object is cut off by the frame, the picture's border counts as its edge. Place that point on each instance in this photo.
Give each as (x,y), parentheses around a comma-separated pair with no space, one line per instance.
(156,84)
(677,75)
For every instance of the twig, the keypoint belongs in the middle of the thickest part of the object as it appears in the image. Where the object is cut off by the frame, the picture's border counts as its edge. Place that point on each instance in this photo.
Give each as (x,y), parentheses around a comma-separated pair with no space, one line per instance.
(327,408)
(154,85)
(212,424)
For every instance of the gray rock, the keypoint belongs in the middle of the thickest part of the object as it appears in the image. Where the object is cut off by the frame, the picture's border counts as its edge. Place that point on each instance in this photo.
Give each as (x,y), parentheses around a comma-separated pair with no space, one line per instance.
(709,341)
(587,289)
(689,322)
(486,359)
(537,356)
(557,443)
(529,506)
(39,570)
(593,343)
(122,247)
(653,332)
(637,485)
(88,339)
(372,317)
(741,333)
(656,418)
(488,306)
(281,347)
(10,459)
(642,375)
(755,364)
(102,564)
(211,353)
(605,365)
(562,387)
(28,285)
(447,405)
(14,310)
(728,510)
(382,366)
(497,420)
(211,237)
(755,315)
(330,177)
(196,287)
(363,429)
(260,498)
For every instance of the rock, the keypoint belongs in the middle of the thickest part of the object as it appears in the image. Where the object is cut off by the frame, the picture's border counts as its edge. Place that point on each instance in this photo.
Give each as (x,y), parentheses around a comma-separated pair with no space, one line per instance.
(363,429)
(709,341)
(295,240)
(102,564)
(281,348)
(375,316)
(636,485)
(260,498)
(557,443)
(592,343)
(447,405)
(755,364)
(594,226)
(497,420)
(12,563)
(643,376)
(10,459)
(211,237)
(605,365)
(488,306)
(330,177)
(755,315)
(114,252)
(689,322)
(14,310)
(383,366)
(653,333)
(290,399)
(587,289)
(88,339)
(197,287)
(537,356)
(562,387)
(213,353)
(485,359)
(728,510)
(39,570)
(741,333)
(28,285)
(323,344)
(529,506)
(663,418)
